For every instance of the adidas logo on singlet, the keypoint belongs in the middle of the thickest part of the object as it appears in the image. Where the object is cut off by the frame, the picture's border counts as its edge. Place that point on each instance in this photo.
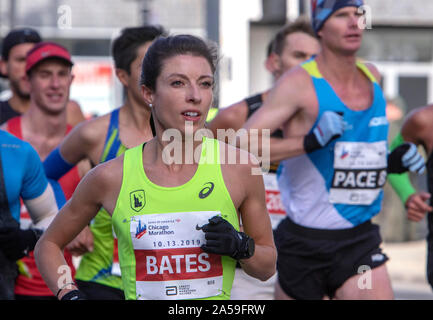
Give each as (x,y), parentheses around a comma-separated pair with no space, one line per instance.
(377,257)
(378,121)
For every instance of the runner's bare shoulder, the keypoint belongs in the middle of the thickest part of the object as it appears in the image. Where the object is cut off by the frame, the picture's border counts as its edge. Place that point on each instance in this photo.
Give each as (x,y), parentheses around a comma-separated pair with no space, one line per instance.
(236,160)
(106,180)
(420,122)
(372,68)
(295,86)
(232,116)
(93,131)
(110,171)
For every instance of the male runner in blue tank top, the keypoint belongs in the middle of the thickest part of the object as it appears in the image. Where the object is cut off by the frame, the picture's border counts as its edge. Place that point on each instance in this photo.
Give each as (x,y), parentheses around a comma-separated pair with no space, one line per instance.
(327,241)
(21,176)
(293,44)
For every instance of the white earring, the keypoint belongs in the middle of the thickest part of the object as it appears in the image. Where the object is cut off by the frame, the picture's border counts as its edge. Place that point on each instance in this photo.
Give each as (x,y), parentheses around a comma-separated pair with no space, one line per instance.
(150,105)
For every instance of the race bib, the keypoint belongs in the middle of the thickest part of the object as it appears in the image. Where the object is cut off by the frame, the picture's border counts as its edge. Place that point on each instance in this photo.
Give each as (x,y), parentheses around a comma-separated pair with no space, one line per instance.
(115,267)
(169,261)
(359,172)
(273,199)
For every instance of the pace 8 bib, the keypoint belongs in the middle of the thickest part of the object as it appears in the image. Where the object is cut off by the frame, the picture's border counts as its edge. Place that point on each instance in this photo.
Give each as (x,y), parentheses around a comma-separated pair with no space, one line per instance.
(359,172)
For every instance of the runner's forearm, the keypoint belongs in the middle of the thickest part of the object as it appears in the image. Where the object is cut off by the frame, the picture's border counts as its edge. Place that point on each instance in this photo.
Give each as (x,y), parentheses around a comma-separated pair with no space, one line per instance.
(400,182)
(52,265)
(286,148)
(42,209)
(262,264)
(55,165)
(402,185)
(276,149)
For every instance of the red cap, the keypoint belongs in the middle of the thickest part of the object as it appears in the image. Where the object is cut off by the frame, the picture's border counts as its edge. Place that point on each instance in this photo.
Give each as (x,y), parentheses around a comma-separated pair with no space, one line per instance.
(46,50)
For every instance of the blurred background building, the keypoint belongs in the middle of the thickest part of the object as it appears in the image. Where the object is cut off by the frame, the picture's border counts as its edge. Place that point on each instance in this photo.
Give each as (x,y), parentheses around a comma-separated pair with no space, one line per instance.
(399,42)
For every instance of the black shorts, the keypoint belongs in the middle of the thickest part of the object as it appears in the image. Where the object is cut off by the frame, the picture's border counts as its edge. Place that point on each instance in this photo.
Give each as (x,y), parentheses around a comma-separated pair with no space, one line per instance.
(313,263)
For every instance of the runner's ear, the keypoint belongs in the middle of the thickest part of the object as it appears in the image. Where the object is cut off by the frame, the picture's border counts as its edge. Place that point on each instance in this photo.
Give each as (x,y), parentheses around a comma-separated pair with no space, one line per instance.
(3,69)
(272,63)
(147,94)
(123,76)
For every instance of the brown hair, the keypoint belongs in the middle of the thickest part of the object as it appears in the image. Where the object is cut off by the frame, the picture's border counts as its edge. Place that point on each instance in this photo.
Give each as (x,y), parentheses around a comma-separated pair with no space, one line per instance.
(302,24)
(164,48)
(125,47)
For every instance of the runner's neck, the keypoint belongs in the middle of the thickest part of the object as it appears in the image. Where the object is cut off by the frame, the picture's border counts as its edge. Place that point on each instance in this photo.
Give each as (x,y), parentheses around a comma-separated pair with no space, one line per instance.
(38,122)
(136,113)
(19,104)
(182,153)
(337,68)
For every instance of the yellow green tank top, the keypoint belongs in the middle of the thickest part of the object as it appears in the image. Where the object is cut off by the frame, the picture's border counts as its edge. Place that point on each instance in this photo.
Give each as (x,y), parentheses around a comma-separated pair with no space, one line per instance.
(101,265)
(158,231)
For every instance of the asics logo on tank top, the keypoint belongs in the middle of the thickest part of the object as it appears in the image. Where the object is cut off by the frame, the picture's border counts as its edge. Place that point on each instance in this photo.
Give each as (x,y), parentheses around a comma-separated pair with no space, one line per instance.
(206,191)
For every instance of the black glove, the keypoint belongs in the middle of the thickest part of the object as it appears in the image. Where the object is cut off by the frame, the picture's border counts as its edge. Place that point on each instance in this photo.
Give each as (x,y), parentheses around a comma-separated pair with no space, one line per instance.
(74,295)
(16,243)
(405,158)
(329,127)
(222,238)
